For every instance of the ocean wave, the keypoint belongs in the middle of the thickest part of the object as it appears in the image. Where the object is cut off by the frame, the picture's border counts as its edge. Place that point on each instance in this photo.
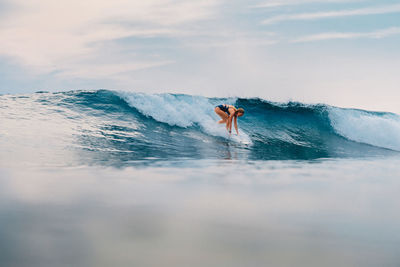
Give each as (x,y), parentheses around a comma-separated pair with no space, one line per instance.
(373,128)
(109,126)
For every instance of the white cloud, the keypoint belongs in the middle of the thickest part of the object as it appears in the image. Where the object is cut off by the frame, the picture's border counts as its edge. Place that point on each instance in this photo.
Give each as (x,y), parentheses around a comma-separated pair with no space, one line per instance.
(233,38)
(333,14)
(89,71)
(279,3)
(47,35)
(349,35)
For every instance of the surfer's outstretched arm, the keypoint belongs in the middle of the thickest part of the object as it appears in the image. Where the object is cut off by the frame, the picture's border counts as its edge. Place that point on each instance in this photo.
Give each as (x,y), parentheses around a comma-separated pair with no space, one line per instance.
(236,127)
(229,123)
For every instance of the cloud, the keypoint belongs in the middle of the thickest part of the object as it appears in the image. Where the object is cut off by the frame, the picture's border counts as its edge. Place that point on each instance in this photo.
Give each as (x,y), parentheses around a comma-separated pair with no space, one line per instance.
(93,71)
(47,36)
(233,39)
(333,14)
(280,3)
(350,35)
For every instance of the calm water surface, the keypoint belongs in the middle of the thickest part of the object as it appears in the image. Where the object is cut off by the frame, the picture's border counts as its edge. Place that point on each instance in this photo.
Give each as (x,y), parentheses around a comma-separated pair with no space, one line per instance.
(203,213)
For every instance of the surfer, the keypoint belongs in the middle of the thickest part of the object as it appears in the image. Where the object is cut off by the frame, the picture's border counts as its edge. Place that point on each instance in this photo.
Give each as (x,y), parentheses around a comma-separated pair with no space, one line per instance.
(227,114)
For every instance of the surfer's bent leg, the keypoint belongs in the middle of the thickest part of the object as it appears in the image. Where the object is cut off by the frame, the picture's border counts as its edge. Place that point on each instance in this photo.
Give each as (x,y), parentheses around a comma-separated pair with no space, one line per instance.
(223,115)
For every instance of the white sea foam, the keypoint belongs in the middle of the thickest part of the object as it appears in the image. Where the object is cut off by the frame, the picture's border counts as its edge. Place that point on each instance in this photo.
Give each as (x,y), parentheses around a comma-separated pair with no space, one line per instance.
(382,130)
(183,111)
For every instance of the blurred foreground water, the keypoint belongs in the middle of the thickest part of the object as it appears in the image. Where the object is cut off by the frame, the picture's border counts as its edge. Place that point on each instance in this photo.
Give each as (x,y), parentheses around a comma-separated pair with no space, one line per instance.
(203,213)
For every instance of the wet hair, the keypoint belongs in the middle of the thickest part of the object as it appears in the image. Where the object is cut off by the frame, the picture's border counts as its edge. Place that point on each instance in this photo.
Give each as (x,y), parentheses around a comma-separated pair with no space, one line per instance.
(239,110)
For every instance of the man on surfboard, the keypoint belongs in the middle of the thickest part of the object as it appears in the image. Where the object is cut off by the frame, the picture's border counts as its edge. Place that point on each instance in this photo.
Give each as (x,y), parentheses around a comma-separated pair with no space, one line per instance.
(227,114)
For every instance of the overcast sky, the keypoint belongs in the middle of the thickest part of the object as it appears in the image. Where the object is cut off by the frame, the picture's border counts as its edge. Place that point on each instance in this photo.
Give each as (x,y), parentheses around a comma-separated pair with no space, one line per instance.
(344,53)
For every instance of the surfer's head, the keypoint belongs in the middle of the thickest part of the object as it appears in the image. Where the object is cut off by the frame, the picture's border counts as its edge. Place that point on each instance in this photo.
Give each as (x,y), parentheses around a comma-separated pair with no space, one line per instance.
(239,112)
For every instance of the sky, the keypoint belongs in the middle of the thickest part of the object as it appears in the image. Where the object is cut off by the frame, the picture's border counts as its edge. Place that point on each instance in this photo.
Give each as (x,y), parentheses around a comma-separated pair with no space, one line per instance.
(342,53)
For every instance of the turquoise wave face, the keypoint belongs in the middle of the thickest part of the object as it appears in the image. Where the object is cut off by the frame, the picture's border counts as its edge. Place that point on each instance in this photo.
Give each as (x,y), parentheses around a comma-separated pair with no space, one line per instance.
(120,128)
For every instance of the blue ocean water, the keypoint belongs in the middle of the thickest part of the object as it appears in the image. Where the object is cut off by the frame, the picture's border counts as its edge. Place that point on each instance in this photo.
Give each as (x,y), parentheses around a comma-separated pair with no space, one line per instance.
(100,178)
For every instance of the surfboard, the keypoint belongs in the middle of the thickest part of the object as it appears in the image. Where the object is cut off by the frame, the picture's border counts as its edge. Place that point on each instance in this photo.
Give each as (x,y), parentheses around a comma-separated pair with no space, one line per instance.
(242,138)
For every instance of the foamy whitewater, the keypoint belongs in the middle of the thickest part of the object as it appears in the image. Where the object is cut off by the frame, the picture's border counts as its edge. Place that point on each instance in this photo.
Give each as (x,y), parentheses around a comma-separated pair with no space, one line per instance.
(107,178)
